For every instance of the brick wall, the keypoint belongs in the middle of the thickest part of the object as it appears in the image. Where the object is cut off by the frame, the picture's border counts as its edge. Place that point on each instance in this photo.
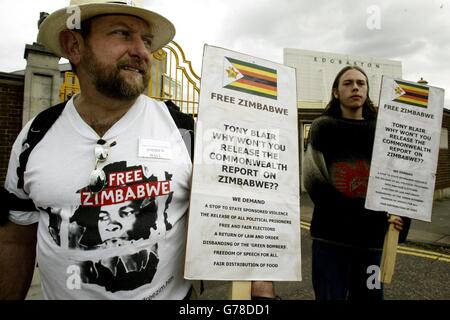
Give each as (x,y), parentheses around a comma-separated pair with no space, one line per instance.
(443,169)
(11,105)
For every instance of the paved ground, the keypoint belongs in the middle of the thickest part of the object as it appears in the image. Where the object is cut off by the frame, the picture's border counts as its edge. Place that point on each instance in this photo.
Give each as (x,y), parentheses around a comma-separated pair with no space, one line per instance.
(422,268)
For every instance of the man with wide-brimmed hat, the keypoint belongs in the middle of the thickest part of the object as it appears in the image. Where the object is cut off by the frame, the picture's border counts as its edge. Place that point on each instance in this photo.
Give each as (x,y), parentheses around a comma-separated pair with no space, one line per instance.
(110,147)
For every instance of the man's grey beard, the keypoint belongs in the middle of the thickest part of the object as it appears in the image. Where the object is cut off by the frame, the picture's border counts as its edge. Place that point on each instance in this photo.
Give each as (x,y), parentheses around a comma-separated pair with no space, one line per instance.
(108,81)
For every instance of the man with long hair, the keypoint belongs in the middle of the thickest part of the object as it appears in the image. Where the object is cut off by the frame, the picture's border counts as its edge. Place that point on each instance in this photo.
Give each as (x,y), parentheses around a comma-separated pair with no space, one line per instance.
(347,238)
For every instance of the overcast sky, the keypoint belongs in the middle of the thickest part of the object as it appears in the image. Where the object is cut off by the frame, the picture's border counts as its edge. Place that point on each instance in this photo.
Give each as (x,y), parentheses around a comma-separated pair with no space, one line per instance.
(417,33)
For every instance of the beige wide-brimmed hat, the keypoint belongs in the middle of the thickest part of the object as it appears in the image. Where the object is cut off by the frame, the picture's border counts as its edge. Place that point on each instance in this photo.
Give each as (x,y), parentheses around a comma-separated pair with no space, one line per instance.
(162,29)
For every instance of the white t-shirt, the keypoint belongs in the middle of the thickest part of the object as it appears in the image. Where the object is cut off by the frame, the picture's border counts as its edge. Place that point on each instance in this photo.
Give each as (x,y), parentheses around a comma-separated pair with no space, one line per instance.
(126,241)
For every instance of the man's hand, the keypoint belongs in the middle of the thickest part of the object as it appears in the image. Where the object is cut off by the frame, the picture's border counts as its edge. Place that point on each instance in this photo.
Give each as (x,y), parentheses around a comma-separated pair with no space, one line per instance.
(397,222)
(263,290)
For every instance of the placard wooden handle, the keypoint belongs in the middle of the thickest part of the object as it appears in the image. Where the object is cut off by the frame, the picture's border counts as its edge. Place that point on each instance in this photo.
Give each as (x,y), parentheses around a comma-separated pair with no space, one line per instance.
(389,253)
(241,290)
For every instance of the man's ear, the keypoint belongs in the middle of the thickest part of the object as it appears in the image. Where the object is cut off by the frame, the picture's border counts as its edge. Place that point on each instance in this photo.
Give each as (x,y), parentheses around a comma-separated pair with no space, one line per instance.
(335,93)
(71,43)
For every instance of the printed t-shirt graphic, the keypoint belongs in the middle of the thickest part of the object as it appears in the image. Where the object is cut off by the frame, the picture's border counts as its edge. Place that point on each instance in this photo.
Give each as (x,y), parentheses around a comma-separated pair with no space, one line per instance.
(127,210)
(351,178)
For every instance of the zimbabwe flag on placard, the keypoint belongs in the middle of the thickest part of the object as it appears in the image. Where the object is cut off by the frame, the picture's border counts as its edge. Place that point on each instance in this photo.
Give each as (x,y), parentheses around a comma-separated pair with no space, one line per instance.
(412,94)
(250,78)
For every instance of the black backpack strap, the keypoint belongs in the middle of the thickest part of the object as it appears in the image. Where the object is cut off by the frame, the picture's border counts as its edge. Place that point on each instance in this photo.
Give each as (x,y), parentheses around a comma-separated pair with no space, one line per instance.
(185,124)
(39,127)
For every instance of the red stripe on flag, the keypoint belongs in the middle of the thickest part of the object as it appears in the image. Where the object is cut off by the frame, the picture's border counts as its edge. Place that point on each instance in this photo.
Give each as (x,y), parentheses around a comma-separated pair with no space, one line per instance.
(257,75)
(257,84)
(414,98)
(416,92)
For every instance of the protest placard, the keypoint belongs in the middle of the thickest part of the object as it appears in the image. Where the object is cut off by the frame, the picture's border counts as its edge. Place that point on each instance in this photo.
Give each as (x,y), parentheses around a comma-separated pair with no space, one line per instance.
(244,219)
(406,147)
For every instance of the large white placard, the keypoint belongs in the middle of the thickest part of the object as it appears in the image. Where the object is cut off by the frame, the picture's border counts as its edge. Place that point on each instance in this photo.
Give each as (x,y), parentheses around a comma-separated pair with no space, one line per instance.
(406,147)
(244,220)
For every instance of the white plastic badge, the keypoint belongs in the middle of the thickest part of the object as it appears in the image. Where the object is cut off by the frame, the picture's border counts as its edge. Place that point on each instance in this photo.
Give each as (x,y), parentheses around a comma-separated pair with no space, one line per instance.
(156,149)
